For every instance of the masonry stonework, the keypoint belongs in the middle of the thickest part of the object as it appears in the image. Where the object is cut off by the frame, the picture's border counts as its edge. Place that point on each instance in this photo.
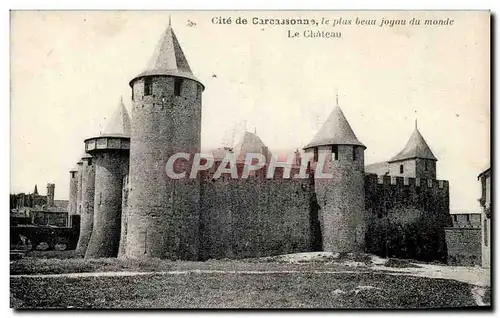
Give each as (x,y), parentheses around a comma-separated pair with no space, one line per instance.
(245,218)
(87,215)
(342,200)
(407,217)
(124,219)
(79,187)
(110,168)
(163,213)
(73,190)
(141,212)
(414,168)
(464,246)
(51,187)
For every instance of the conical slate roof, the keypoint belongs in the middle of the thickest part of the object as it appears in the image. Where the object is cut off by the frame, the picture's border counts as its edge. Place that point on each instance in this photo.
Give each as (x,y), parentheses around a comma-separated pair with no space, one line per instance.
(168,59)
(335,131)
(86,155)
(119,125)
(250,143)
(415,148)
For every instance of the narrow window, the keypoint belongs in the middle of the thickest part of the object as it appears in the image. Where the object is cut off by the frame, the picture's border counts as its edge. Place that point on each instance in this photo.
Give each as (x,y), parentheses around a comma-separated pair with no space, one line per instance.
(72,174)
(354,158)
(455,218)
(426,166)
(401,169)
(315,155)
(467,217)
(177,86)
(485,233)
(335,152)
(90,161)
(132,93)
(148,86)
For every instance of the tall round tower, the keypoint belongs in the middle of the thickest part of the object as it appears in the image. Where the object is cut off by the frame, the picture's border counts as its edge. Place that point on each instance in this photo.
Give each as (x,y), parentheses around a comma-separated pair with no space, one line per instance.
(111,155)
(87,213)
(79,166)
(163,213)
(51,187)
(73,190)
(339,184)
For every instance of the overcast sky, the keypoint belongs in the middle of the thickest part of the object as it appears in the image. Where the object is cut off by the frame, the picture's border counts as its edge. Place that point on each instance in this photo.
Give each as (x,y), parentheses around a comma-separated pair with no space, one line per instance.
(69,69)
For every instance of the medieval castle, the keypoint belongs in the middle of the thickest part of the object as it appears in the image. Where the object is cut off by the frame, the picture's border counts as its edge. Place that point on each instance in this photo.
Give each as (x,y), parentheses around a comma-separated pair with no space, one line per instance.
(130,208)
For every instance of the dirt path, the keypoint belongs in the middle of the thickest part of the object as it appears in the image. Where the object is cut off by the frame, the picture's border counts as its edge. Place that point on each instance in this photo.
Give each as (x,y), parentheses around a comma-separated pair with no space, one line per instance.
(186,272)
(469,275)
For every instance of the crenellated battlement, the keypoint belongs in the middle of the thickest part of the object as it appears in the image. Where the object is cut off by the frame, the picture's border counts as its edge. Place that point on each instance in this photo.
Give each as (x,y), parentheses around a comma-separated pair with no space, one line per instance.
(255,181)
(406,181)
(401,205)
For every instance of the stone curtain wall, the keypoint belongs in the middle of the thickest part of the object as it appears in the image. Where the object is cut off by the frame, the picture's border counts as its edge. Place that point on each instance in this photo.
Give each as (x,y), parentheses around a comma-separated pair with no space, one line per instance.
(464,246)
(407,217)
(243,218)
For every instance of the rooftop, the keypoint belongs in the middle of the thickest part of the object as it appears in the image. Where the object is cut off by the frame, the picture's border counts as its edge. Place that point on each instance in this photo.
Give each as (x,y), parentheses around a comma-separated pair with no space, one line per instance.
(119,124)
(168,59)
(335,131)
(250,143)
(416,147)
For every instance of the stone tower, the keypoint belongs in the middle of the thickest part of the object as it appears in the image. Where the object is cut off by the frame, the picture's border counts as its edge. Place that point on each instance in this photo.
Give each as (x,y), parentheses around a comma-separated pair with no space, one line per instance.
(73,190)
(416,160)
(339,184)
(110,151)
(50,194)
(79,166)
(87,214)
(163,213)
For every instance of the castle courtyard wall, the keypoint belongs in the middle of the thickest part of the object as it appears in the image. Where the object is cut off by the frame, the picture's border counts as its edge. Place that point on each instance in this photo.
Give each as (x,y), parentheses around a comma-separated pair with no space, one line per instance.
(407,217)
(243,218)
(464,246)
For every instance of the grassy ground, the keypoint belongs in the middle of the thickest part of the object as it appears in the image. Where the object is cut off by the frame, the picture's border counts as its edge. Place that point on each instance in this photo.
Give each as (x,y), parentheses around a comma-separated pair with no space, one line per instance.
(364,290)
(318,281)
(52,265)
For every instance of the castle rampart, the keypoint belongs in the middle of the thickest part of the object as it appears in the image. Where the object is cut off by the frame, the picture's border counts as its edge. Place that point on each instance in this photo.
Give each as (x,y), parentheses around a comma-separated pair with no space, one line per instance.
(255,217)
(407,216)
(142,211)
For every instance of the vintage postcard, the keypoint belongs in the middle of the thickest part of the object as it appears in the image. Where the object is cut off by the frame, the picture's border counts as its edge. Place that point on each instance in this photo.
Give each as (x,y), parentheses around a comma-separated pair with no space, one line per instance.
(250,159)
